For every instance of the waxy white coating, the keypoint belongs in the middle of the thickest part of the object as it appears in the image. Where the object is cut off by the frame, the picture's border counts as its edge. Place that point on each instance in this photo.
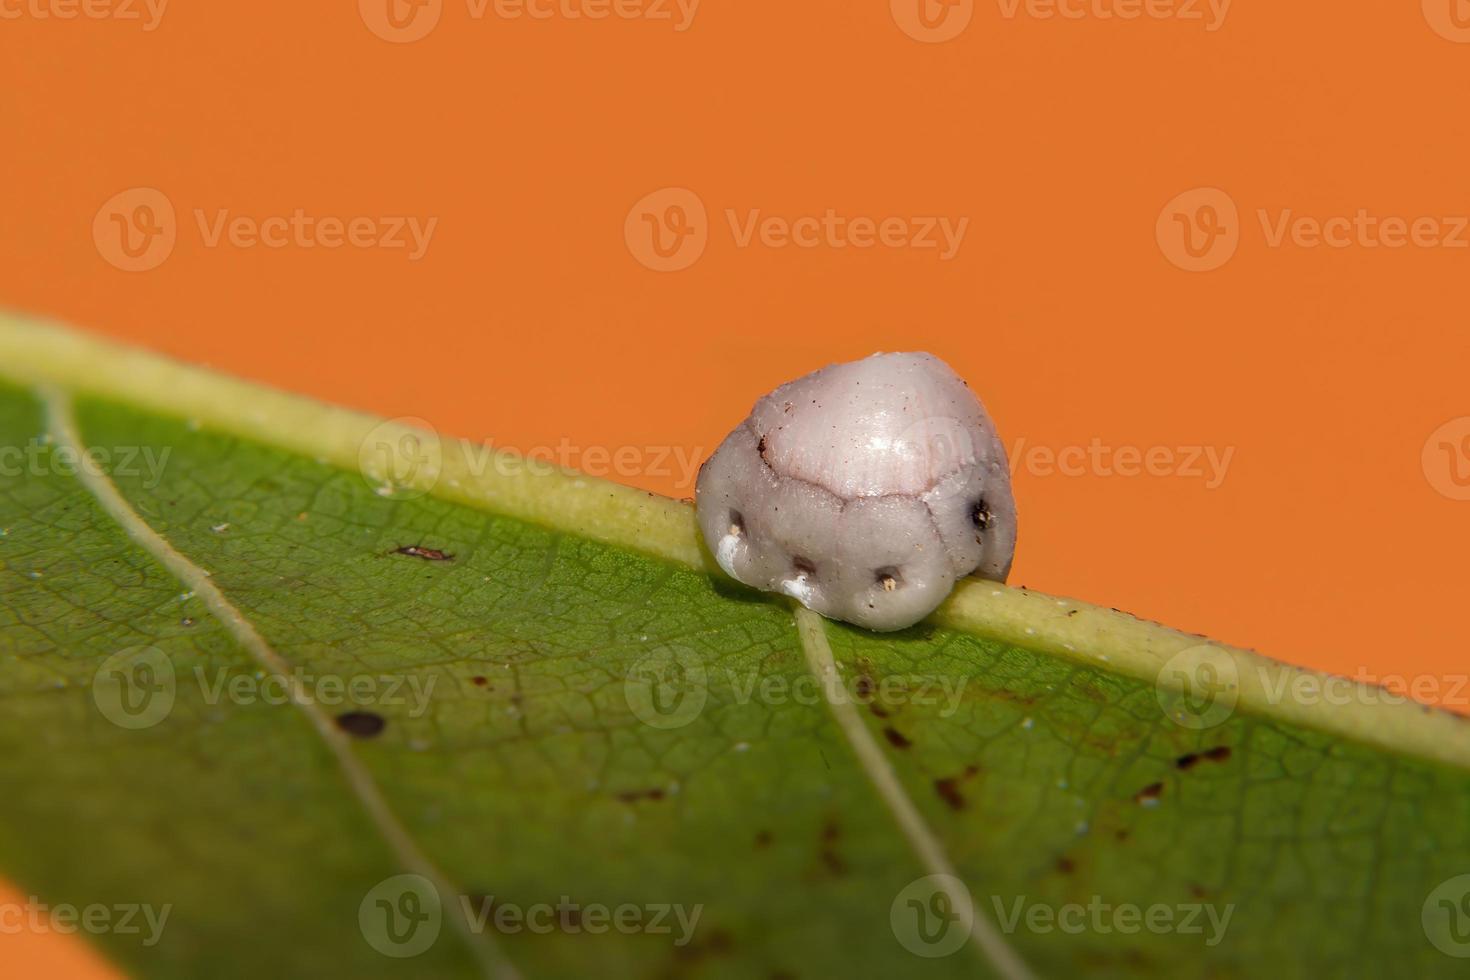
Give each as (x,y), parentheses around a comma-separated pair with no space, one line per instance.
(864,490)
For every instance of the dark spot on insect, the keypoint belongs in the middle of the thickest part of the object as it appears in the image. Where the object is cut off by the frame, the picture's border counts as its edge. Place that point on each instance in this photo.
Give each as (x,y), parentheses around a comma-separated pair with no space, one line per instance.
(802,565)
(361,724)
(980,514)
(633,796)
(896,738)
(1066,865)
(427,554)
(1189,760)
(1148,794)
(479,681)
(760,445)
(949,791)
(762,839)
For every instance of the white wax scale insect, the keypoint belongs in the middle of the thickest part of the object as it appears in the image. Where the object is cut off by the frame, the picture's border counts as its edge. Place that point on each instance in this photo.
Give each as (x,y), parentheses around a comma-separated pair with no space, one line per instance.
(864,490)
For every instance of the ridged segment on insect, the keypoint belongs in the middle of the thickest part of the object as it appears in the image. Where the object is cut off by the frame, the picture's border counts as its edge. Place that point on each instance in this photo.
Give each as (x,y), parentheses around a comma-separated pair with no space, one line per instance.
(864,490)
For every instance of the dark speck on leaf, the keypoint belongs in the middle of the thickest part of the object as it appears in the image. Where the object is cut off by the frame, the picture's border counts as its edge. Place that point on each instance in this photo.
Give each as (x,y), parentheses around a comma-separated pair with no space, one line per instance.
(361,724)
(896,738)
(427,554)
(1149,795)
(1189,760)
(633,796)
(949,792)
(478,681)
(1065,865)
(762,839)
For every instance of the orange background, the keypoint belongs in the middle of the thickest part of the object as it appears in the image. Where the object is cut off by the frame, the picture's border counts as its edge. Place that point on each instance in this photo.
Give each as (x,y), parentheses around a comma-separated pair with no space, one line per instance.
(1334,539)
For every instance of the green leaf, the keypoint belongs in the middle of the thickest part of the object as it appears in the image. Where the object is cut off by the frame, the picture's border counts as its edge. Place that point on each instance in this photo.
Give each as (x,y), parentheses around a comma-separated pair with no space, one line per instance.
(562,712)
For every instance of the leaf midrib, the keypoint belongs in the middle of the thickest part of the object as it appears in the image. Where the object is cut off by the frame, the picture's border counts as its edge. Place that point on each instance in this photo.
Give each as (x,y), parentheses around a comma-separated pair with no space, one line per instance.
(497,480)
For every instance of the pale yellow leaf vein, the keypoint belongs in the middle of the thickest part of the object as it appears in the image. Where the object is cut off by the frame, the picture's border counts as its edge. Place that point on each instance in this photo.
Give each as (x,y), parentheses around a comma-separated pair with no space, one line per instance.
(62,425)
(983,935)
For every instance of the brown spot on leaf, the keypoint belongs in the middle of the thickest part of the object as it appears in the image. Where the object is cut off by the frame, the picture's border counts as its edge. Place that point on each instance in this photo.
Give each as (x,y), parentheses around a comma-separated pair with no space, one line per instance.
(634,795)
(479,681)
(361,724)
(762,839)
(949,792)
(1189,760)
(1066,865)
(427,554)
(896,738)
(1149,794)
